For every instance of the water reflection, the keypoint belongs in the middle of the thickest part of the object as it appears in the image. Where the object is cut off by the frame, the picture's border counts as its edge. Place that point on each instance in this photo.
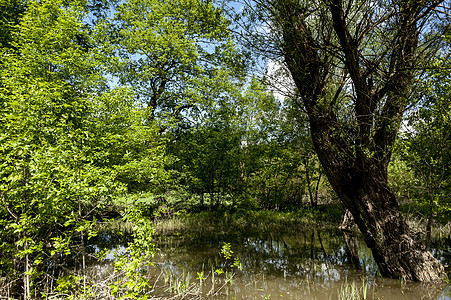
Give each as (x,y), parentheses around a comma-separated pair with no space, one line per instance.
(312,264)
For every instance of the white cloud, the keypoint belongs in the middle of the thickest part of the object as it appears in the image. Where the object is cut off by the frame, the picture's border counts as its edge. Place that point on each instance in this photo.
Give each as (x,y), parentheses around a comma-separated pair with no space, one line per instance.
(279,78)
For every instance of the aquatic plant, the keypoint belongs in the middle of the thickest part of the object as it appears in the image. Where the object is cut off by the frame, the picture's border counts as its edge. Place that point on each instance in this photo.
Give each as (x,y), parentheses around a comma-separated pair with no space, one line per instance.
(354,291)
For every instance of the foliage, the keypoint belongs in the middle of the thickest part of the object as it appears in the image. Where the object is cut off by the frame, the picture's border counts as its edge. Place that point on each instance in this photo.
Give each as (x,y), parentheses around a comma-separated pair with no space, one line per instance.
(49,182)
(422,163)
(134,265)
(118,107)
(67,146)
(175,54)
(207,158)
(10,11)
(425,148)
(247,152)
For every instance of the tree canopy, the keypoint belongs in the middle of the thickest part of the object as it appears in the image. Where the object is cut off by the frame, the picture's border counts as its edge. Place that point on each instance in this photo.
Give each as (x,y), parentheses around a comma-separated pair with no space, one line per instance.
(119,108)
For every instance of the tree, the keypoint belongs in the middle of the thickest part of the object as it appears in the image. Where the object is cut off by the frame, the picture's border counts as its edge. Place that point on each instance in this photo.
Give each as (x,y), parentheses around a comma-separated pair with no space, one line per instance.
(175,54)
(66,144)
(206,156)
(354,64)
(424,147)
(296,125)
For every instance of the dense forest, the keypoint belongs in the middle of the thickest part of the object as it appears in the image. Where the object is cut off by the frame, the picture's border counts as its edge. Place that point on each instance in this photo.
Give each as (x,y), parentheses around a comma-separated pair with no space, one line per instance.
(139,111)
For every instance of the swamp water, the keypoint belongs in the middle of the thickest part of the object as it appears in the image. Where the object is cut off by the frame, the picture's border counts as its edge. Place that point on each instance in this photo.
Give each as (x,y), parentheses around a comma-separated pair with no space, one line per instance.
(310,264)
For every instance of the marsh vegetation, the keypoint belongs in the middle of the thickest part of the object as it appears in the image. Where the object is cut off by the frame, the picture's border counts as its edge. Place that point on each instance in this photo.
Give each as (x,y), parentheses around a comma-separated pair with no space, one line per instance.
(209,148)
(251,255)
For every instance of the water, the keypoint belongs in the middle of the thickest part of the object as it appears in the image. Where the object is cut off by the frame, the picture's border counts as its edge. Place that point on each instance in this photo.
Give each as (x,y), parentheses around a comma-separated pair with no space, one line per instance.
(311,264)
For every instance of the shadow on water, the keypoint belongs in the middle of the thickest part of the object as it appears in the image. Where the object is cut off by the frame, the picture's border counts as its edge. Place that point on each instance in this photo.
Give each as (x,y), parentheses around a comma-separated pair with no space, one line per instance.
(311,264)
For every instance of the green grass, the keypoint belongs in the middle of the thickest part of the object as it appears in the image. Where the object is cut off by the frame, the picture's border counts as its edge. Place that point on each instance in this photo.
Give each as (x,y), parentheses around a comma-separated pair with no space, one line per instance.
(250,221)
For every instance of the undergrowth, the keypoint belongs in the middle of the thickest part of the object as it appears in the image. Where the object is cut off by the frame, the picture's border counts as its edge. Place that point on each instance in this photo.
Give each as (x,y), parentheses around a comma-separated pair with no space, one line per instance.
(249,221)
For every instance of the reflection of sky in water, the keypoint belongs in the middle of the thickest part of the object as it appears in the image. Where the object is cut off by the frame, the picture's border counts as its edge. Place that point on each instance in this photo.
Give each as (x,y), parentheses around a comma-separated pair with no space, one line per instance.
(318,257)
(443,255)
(446,295)
(106,241)
(119,250)
(310,265)
(316,261)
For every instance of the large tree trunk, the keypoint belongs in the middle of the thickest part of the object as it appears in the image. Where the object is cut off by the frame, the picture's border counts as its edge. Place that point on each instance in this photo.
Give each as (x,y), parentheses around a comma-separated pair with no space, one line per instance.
(397,250)
(354,138)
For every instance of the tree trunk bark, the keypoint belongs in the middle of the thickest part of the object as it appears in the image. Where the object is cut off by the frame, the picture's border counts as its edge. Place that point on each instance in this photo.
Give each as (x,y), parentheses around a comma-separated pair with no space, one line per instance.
(354,145)
(352,249)
(361,182)
(351,240)
(26,278)
(397,250)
